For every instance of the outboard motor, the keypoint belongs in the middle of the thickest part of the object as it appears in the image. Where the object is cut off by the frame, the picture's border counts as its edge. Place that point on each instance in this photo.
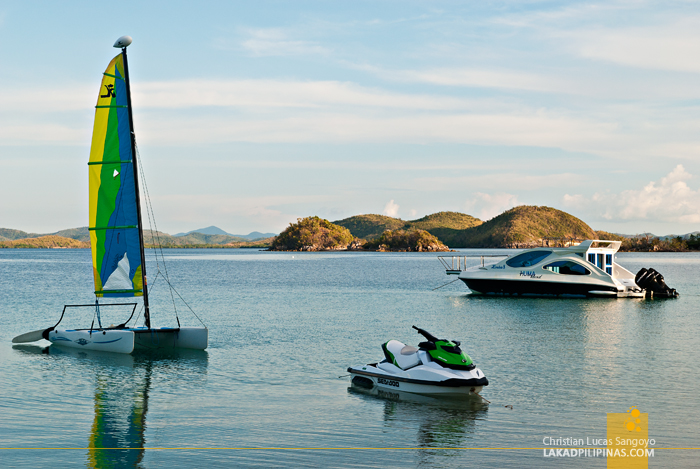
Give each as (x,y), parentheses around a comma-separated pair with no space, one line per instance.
(653,282)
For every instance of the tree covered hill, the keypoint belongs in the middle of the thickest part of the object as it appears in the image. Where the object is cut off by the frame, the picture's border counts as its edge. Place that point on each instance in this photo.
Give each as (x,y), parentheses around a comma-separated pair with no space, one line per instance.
(406,240)
(312,234)
(447,226)
(519,227)
(45,242)
(525,226)
(370,226)
(444,225)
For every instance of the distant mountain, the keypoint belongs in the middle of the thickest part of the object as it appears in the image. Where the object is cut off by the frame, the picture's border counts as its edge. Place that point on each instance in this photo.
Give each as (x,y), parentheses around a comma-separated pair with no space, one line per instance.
(209,230)
(7,234)
(255,235)
(214,230)
(519,227)
(190,239)
(81,234)
(45,242)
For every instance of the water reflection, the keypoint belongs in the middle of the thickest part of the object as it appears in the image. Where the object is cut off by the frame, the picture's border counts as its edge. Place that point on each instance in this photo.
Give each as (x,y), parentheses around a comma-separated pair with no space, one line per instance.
(120,416)
(442,423)
(123,384)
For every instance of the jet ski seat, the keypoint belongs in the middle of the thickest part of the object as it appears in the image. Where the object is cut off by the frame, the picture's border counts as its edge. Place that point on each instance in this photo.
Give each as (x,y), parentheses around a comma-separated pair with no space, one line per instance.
(402,355)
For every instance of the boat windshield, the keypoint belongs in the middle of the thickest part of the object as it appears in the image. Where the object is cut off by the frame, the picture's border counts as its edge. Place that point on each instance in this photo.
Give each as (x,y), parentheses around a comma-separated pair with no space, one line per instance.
(528,259)
(567,268)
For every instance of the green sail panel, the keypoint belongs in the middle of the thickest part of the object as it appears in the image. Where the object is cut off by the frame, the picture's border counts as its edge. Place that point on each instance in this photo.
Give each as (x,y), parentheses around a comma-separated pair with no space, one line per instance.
(114,233)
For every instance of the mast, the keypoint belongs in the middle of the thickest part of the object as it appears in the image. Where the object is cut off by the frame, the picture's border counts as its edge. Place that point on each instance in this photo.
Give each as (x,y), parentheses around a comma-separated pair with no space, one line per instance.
(147,313)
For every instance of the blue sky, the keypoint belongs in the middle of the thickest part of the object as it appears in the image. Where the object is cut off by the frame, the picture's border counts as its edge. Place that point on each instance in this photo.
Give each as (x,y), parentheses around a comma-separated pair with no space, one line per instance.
(249,115)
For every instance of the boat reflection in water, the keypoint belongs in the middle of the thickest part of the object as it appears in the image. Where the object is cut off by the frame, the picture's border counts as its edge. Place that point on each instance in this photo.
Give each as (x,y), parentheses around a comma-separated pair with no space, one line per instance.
(441,422)
(122,388)
(117,435)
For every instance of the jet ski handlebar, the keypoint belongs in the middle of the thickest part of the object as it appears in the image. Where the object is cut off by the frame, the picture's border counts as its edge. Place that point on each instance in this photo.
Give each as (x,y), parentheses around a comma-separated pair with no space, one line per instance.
(430,337)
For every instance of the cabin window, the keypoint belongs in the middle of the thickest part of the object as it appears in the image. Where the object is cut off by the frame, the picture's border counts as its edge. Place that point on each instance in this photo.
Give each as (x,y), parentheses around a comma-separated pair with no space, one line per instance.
(591,258)
(528,259)
(567,268)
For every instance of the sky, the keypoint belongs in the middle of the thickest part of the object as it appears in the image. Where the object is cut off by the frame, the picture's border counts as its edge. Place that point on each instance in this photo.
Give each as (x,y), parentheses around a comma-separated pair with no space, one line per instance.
(249,115)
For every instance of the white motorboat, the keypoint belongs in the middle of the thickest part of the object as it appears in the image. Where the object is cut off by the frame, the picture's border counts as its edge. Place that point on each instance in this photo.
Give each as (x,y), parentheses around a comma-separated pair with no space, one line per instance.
(585,269)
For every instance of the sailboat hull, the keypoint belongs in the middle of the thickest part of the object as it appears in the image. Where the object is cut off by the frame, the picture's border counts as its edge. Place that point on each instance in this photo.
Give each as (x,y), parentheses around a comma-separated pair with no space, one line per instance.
(118,341)
(196,338)
(127,340)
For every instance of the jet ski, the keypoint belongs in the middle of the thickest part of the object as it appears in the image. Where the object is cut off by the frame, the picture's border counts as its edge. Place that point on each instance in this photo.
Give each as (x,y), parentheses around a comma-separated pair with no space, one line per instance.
(436,367)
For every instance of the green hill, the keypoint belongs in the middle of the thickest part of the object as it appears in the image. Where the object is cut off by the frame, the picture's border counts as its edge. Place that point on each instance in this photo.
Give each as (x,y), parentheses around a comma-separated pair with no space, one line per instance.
(525,226)
(406,240)
(447,226)
(370,226)
(7,234)
(45,242)
(192,239)
(81,234)
(312,234)
(610,236)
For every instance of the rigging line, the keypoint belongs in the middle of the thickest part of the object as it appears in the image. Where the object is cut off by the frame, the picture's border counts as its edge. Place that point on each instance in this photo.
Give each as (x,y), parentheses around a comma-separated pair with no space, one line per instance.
(153,285)
(183,300)
(152,225)
(453,281)
(152,219)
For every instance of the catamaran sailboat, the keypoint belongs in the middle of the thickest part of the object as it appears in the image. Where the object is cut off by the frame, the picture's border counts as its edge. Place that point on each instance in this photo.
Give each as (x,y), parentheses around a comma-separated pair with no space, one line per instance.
(116,230)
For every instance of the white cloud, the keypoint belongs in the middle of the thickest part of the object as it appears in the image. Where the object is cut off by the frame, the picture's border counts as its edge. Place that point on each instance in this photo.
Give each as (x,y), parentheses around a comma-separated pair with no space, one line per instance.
(671,46)
(277,42)
(486,78)
(29,99)
(281,94)
(391,209)
(488,206)
(668,200)
(511,180)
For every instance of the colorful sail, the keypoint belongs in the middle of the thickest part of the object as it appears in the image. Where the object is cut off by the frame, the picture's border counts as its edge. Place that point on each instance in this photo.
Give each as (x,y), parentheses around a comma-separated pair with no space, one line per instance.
(114,232)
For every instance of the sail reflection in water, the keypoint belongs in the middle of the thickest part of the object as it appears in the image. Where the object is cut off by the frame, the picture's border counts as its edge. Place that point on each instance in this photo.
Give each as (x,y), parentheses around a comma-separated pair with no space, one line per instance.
(123,384)
(117,433)
(122,388)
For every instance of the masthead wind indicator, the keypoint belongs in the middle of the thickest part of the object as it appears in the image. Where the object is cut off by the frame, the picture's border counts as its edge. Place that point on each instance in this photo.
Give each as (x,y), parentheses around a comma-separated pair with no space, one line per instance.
(123,41)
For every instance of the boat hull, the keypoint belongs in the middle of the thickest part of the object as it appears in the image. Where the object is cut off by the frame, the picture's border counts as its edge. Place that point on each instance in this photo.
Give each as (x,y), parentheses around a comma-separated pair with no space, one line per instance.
(538,288)
(128,340)
(196,338)
(117,341)
(370,377)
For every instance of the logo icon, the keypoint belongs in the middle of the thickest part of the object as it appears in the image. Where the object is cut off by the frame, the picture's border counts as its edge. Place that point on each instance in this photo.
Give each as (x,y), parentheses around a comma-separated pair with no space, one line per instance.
(110,92)
(632,423)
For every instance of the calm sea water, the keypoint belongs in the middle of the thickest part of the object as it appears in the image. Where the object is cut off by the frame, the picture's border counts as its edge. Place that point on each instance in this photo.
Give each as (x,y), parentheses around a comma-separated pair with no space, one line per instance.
(283,329)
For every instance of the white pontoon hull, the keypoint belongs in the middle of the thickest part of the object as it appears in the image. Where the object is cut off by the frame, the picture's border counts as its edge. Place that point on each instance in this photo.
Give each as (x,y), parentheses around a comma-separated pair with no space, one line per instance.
(126,340)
